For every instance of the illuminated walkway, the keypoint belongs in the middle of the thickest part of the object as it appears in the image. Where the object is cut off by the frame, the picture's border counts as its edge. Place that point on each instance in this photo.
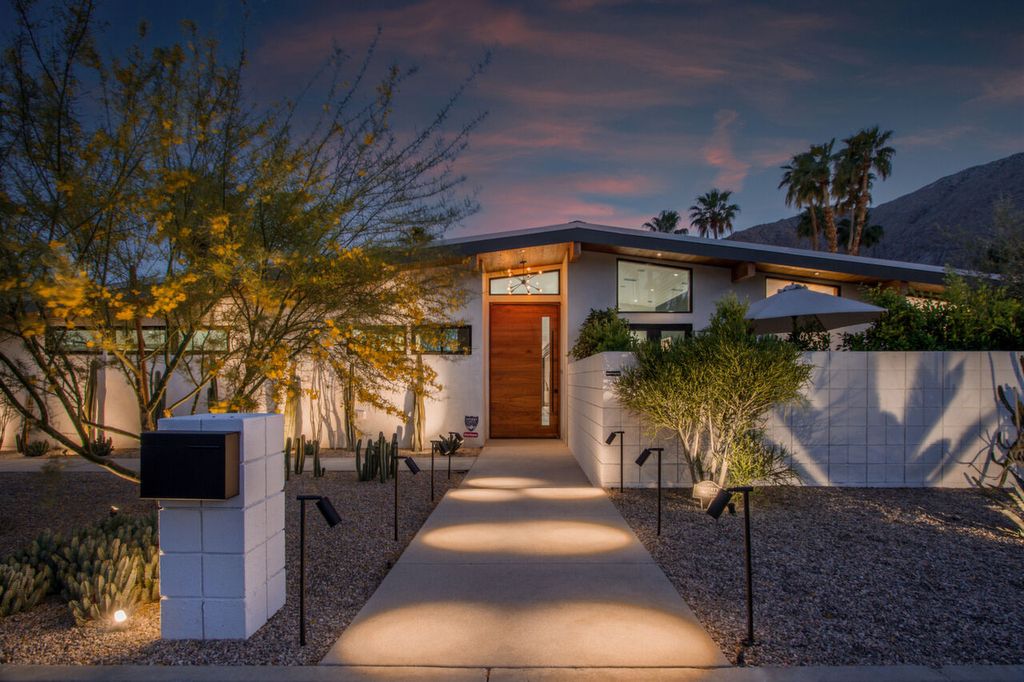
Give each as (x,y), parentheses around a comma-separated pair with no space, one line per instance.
(526,565)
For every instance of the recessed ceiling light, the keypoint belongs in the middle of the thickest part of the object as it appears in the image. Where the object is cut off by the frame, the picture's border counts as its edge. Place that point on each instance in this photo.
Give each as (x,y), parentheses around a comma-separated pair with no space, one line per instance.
(659,255)
(817,273)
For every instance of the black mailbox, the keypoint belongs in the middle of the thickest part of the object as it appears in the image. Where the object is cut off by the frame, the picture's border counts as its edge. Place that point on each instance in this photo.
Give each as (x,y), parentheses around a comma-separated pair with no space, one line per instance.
(188,465)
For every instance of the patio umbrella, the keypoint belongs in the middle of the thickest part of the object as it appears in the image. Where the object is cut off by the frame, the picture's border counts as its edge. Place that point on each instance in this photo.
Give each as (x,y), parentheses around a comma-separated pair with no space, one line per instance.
(796,304)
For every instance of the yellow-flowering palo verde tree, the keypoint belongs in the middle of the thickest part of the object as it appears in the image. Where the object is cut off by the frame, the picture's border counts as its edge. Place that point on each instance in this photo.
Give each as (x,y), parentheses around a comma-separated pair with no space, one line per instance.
(157,221)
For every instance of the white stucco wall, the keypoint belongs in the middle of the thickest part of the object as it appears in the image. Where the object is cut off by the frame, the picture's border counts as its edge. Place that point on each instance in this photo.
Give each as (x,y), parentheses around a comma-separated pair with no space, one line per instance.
(593,283)
(871,419)
(459,375)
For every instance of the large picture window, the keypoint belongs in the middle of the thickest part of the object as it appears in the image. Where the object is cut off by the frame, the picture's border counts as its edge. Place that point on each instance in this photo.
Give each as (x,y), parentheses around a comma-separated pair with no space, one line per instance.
(649,288)
(443,340)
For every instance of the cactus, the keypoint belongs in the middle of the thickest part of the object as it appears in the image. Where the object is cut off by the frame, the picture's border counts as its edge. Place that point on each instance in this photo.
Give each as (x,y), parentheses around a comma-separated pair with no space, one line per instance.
(1007,452)
(112,565)
(101,447)
(288,459)
(300,455)
(36,448)
(318,468)
(450,444)
(22,586)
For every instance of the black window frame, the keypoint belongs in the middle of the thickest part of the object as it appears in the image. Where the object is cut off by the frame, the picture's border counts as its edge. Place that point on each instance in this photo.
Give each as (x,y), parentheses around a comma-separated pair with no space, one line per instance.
(654,329)
(463,339)
(689,296)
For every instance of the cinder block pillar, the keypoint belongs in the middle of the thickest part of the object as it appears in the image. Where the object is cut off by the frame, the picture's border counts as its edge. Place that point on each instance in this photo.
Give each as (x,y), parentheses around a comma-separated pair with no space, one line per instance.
(222,561)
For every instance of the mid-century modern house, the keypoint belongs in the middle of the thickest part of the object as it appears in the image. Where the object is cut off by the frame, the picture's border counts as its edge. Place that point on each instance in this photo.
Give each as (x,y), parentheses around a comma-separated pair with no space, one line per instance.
(871,418)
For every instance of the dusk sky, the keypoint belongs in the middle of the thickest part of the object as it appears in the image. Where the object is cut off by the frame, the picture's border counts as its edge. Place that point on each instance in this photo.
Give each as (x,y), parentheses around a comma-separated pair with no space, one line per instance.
(611,111)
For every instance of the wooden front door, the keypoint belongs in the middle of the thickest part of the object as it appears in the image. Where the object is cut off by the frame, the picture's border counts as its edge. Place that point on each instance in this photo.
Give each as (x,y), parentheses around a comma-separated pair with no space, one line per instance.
(524,370)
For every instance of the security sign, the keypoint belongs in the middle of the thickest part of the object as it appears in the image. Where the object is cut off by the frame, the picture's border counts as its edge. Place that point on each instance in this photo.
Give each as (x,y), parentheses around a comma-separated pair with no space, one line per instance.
(471,422)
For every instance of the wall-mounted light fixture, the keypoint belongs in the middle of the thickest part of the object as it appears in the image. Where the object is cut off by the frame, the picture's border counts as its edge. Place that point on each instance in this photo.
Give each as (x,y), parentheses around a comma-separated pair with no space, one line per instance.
(332,518)
(622,439)
(715,509)
(640,462)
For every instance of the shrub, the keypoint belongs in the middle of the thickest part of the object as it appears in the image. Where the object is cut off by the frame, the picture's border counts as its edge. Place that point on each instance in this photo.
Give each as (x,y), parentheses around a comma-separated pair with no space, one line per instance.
(711,389)
(755,459)
(969,316)
(602,331)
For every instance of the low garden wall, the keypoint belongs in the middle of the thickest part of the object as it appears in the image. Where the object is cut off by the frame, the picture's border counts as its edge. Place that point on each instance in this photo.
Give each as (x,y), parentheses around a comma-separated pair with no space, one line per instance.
(870,419)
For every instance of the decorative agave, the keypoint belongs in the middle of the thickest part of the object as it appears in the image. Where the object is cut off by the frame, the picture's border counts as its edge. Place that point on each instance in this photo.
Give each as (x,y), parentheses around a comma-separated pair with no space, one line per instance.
(1007,452)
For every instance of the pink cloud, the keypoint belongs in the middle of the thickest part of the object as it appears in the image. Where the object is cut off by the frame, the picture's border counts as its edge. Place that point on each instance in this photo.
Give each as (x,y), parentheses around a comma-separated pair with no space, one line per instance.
(718,152)
(940,137)
(616,185)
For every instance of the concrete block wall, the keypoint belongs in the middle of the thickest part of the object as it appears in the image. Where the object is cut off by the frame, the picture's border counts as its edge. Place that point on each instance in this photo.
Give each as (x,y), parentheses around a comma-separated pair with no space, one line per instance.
(871,419)
(222,562)
(594,413)
(897,418)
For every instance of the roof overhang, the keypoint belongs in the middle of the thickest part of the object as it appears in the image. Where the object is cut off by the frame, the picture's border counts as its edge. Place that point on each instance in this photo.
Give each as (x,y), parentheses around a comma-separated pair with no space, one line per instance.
(548,245)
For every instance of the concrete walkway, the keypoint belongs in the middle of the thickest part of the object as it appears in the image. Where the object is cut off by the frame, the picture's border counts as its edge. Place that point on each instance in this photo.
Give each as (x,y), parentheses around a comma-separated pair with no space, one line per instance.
(526,566)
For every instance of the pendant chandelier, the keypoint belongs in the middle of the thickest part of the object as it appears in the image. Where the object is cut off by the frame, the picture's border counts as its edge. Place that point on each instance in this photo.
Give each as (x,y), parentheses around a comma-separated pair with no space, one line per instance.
(522,282)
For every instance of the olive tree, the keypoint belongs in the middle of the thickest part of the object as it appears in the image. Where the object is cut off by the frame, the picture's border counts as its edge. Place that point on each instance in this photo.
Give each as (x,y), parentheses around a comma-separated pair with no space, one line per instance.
(713,389)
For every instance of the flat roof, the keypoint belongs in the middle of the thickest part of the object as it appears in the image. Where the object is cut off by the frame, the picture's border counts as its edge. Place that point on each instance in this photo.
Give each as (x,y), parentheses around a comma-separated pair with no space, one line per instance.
(769,258)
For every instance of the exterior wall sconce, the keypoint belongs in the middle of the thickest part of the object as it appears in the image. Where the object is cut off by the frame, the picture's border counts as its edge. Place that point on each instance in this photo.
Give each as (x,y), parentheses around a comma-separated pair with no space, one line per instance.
(715,509)
(332,518)
(640,462)
(622,439)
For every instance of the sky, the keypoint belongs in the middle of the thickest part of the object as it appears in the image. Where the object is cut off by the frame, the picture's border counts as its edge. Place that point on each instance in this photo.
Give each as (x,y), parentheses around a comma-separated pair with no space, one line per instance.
(609,111)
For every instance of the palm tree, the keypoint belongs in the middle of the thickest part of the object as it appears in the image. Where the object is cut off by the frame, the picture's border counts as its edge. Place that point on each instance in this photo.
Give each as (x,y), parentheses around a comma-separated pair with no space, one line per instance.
(802,190)
(820,169)
(666,221)
(713,214)
(871,235)
(865,154)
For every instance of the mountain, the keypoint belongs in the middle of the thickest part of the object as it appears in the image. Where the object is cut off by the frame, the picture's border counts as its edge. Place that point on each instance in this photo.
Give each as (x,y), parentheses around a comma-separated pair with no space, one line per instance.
(932,225)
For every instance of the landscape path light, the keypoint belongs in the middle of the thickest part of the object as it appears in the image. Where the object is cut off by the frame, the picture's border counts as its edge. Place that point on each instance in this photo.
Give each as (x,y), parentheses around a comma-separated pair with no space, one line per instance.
(414,468)
(434,447)
(715,510)
(332,518)
(622,440)
(640,463)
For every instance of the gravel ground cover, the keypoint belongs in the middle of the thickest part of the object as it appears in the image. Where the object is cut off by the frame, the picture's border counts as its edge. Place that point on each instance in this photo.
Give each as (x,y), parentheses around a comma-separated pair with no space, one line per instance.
(846,576)
(344,565)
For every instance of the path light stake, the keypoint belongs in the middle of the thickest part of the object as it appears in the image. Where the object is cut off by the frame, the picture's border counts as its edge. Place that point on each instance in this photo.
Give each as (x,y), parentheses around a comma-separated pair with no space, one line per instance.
(330,515)
(452,434)
(622,440)
(715,510)
(414,468)
(640,462)
(434,444)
